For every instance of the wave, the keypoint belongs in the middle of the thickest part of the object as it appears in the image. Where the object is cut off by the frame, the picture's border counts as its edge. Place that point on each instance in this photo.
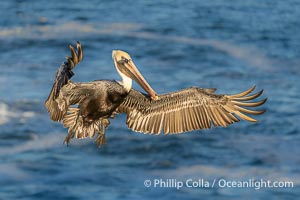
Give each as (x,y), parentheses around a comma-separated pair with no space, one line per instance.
(7,114)
(36,143)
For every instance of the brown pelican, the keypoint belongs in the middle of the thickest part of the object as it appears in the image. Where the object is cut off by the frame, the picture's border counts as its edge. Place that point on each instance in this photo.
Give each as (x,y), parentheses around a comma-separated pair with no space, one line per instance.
(176,112)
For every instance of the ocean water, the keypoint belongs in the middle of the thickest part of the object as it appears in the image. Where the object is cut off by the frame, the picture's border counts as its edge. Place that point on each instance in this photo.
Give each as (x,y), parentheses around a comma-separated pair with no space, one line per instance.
(229,45)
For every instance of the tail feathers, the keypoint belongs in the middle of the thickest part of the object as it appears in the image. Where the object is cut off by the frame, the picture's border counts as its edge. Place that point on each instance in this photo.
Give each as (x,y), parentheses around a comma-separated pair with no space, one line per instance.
(78,128)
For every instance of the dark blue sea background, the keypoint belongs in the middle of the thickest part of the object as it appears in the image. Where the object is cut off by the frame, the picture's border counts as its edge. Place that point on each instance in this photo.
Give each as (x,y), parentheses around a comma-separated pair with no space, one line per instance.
(229,45)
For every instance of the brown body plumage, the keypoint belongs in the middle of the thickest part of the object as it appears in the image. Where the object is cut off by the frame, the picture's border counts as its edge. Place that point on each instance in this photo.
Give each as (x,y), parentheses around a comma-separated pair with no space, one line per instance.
(177,112)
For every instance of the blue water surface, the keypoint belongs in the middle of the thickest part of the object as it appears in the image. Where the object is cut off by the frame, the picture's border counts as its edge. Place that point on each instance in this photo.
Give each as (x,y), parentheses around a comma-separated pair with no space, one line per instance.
(229,45)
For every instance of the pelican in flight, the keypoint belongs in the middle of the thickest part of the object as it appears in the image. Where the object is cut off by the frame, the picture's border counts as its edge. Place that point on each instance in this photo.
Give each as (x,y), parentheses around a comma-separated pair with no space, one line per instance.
(85,108)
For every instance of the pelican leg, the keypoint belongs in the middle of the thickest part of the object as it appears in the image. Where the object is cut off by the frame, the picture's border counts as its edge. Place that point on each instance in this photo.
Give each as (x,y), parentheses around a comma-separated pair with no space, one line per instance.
(101,135)
(100,140)
(69,137)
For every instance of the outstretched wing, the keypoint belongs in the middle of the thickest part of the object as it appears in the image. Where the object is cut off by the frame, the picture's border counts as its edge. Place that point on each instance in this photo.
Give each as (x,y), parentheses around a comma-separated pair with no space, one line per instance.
(57,103)
(187,110)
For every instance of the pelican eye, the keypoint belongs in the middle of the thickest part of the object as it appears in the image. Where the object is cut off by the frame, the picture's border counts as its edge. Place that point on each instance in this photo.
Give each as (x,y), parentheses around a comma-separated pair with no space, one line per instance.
(125,60)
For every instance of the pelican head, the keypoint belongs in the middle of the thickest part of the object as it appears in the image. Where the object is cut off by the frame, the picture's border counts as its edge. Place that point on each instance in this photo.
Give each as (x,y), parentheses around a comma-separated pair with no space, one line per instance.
(128,71)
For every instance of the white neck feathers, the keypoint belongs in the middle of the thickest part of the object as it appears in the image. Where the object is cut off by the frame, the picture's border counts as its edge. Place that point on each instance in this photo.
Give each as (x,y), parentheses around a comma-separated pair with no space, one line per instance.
(126,81)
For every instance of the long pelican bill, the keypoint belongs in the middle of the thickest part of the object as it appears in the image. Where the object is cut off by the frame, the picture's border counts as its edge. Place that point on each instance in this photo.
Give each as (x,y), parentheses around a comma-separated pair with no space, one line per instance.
(125,66)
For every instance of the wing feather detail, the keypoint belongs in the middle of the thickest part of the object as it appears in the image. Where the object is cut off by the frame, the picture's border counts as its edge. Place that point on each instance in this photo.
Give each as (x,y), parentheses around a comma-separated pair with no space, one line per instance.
(187,110)
(57,103)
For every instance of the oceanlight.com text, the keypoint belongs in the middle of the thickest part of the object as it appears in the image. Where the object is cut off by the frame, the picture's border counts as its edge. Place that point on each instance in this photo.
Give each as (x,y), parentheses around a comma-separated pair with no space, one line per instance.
(256,184)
